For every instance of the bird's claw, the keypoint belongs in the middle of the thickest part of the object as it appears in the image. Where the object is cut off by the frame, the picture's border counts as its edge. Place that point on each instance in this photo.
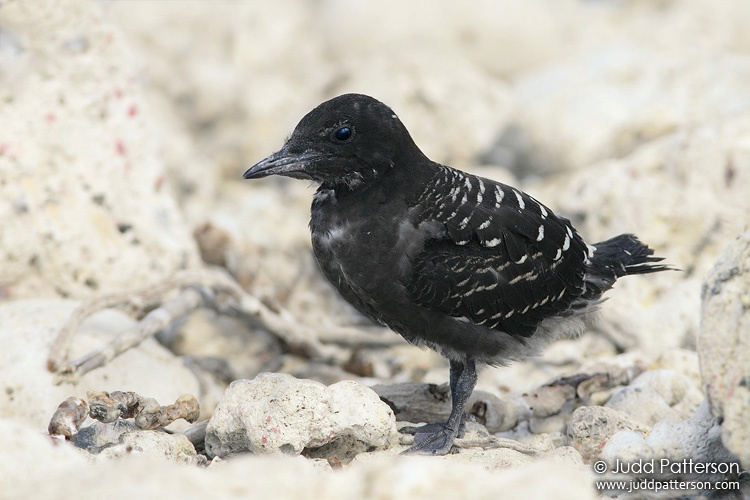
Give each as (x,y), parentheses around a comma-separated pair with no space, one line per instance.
(430,439)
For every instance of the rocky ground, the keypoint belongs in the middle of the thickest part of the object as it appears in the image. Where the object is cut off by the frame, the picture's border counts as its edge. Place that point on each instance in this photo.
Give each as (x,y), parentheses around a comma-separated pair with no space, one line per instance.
(125,128)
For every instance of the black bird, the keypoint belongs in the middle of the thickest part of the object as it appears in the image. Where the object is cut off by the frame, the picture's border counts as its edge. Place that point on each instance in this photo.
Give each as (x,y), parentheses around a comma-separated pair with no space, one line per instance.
(477,270)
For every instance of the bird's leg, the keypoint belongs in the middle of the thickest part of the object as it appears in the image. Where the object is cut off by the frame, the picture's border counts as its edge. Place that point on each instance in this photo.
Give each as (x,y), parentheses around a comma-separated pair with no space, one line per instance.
(457,368)
(437,439)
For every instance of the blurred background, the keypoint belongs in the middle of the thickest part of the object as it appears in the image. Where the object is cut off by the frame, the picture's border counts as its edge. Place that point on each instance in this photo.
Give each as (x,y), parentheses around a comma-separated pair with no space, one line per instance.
(125,127)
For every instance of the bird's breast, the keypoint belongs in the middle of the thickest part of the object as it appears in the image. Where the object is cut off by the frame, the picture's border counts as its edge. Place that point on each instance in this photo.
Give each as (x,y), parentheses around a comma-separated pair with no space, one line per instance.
(362,247)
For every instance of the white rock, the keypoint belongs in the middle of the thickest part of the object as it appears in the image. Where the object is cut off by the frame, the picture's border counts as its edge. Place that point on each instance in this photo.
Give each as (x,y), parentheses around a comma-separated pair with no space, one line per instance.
(45,472)
(115,440)
(83,203)
(26,453)
(27,329)
(657,394)
(276,413)
(724,345)
(567,455)
(626,446)
(697,438)
(591,426)
(423,477)
(156,444)
(683,361)
(611,99)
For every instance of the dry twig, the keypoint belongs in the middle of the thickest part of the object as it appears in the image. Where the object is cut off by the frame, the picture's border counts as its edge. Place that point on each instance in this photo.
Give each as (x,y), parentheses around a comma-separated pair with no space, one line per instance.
(212,288)
(484,442)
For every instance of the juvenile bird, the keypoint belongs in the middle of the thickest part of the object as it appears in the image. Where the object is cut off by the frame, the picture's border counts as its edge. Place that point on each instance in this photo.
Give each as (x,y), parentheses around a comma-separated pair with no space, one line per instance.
(479,271)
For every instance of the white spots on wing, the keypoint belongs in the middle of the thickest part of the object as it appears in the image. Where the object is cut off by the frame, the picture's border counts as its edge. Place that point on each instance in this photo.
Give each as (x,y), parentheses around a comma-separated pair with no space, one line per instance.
(485,224)
(454,193)
(480,311)
(558,254)
(542,210)
(464,199)
(481,191)
(499,195)
(493,242)
(540,236)
(570,231)
(566,243)
(456,269)
(591,249)
(530,276)
(463,242)
(521,260)
(501,314)
(465,221)
(467,183)
(521,203)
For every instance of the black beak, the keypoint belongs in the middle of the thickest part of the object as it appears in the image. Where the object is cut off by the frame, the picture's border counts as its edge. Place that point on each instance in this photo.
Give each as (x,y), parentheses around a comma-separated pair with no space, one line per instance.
(283,163)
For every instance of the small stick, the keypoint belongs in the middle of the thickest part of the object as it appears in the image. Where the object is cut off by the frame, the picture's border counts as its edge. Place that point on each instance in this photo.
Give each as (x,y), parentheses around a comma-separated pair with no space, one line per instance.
(154,322)
(484,442)
(492,442)
(207,288)
(134,303)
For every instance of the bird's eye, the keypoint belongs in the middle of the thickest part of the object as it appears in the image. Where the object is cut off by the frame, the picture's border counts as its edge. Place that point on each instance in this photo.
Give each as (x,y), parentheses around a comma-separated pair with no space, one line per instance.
(343,134)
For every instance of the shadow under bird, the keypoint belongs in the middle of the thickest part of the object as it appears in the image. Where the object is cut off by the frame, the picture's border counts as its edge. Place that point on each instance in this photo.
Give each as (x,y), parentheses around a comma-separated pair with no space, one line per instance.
(477,270)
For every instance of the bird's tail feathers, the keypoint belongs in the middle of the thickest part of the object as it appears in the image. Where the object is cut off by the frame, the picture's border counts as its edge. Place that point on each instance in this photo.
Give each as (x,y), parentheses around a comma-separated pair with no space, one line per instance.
(617,257)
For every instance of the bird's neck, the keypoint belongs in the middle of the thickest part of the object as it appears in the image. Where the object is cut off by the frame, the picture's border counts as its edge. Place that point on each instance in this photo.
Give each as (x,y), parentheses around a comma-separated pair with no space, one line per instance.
(402,176)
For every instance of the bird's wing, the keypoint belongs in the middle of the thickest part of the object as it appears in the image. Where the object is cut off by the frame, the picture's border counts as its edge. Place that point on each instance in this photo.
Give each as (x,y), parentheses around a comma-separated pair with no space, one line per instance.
(503,260)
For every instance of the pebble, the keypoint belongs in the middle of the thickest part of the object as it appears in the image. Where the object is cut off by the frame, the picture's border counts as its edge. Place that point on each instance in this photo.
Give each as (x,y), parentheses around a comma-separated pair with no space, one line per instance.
(276,413)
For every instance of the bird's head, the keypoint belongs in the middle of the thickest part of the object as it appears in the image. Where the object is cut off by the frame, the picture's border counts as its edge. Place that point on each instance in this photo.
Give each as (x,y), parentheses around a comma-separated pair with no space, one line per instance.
(347,141)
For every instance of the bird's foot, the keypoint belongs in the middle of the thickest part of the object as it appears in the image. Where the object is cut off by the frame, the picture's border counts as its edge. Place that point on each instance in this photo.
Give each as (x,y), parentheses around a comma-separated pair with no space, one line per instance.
(430,439)
(413,430)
